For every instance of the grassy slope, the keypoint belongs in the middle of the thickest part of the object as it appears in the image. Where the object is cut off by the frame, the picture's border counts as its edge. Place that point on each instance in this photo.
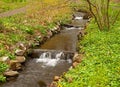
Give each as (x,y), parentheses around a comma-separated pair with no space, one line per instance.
(101,65)
(36,21)
(28,27)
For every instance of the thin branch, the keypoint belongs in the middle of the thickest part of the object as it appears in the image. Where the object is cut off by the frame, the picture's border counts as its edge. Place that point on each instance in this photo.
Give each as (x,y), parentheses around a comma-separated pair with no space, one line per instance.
(108,22)
(90,8)
(116,17)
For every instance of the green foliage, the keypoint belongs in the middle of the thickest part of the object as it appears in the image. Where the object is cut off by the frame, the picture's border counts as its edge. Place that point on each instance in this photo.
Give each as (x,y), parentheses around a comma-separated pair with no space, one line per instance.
(101,66)
(63,19)
(2,78)
(79,5)
(27,29)
(3,67)
(50,25)
(42,29)
(11,56)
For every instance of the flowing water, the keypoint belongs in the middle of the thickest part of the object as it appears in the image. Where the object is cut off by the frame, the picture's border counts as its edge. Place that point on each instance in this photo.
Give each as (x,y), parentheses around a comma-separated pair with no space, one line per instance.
(52,58)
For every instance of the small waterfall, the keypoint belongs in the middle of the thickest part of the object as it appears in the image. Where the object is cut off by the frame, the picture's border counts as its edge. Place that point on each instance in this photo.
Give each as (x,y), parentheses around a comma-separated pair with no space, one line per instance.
(59,55)
(48,59)
(79,18)
(45,55)
(72,28)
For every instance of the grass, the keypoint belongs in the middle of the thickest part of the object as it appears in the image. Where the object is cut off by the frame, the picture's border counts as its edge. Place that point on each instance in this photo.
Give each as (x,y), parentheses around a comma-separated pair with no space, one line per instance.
(3,67)
(22,27)
(101,64)
(27,27)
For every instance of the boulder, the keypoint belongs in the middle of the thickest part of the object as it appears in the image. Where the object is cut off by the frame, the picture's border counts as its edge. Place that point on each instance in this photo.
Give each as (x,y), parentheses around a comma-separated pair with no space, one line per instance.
(14,65)
(22,46)
(20,59)
(19,52)
(11,73)
(56,78)
(49,34)
(75,64)
(77,58)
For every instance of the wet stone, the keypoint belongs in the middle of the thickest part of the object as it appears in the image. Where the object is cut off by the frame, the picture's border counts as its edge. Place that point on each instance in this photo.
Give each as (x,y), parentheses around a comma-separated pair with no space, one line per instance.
(19,52)
(4,59)
(11,73)
(56,78)
(20,59)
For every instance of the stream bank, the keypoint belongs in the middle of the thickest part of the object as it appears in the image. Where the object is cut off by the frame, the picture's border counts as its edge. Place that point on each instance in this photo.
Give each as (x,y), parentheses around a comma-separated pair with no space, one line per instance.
(35,68)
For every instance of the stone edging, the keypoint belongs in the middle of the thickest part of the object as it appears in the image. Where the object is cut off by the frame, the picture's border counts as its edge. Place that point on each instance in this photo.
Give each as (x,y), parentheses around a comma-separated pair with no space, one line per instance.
(16,65)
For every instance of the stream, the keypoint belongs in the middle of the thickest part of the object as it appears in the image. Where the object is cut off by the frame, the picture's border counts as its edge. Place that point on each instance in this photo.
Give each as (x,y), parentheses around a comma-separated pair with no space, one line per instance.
(53,58)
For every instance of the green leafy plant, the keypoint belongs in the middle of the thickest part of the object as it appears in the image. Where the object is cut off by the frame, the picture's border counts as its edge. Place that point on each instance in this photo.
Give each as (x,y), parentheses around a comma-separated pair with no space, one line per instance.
(11,56)
(3,67)
(2,78)
(100,66)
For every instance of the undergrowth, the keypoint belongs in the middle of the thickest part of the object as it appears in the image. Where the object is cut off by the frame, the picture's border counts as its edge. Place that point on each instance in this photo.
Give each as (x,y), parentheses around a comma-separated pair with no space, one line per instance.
(40,17)
(101,64)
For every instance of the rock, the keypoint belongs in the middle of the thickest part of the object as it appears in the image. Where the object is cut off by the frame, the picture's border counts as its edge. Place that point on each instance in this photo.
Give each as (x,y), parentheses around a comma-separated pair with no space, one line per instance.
(29,44)
(22,46)
(56,78)
(4,59)
(18,66)
(70,79)
(55,28)
(75,55)
(49,34)
(75,64)
(78,58)
(70,67)
(36,43)
(19,52)
(53,84)
(81,34)
(14,65)
(11,73)
(20,59)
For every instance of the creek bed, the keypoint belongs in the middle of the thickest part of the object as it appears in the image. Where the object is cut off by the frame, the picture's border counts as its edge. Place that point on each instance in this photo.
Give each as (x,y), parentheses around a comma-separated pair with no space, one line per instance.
(39,71)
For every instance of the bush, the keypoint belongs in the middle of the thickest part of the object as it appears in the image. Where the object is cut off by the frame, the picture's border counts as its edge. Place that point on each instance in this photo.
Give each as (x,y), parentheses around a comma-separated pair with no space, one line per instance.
(104,12)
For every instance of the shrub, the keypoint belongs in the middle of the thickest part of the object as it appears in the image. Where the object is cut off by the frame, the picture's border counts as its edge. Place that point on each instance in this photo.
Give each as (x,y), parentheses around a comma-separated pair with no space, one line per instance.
(104,12)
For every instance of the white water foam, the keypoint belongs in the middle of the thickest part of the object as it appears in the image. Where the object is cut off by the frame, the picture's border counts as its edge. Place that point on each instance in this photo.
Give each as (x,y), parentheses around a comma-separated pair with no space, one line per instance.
(72,28)
(47,60)
(78,18)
